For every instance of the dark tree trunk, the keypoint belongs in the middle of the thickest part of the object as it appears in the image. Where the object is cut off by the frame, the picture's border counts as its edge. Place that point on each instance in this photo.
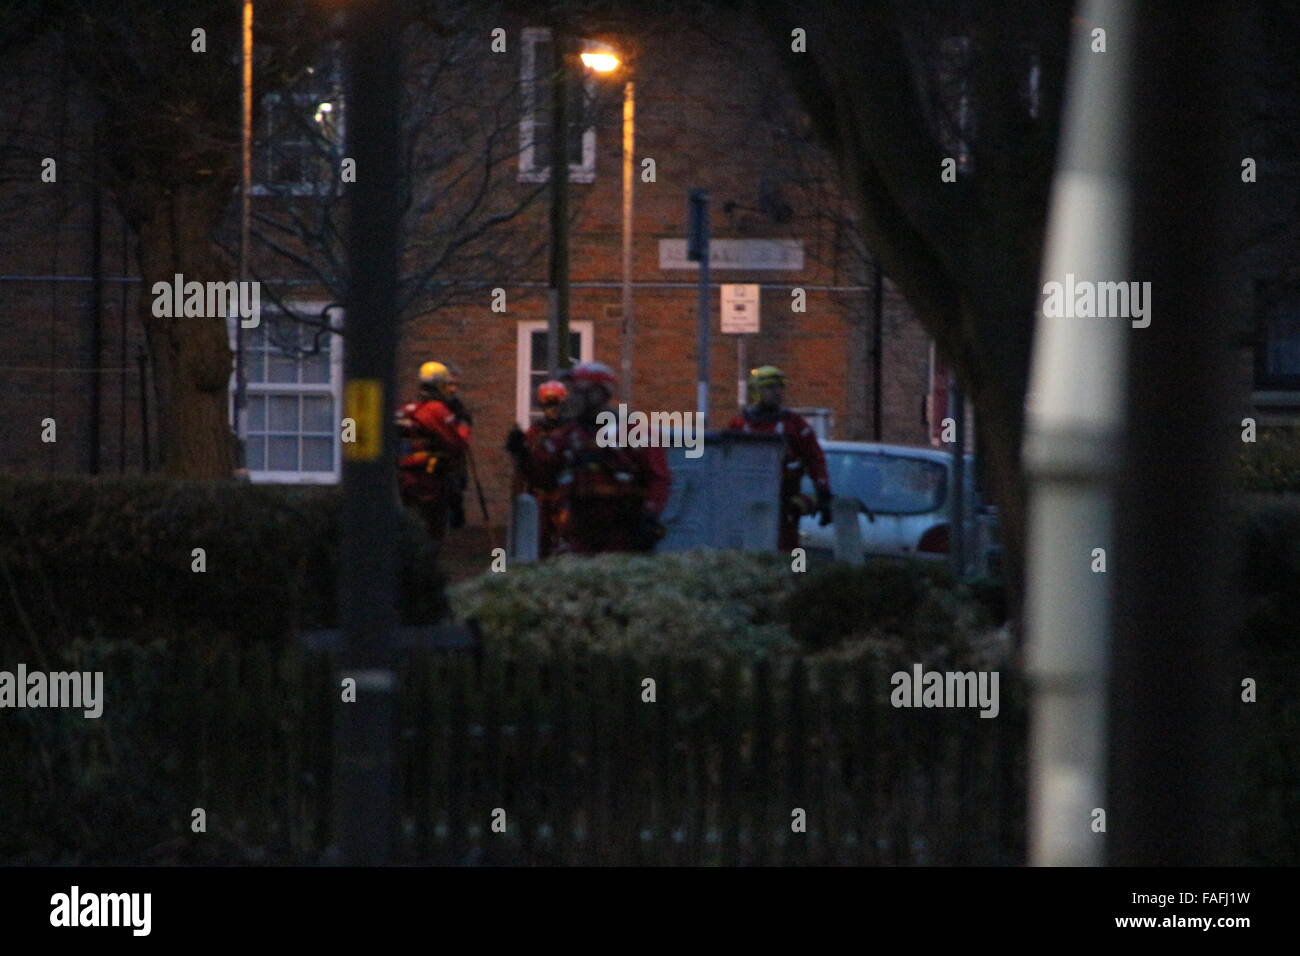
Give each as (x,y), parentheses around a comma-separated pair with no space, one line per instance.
(1172,689)
(191,357)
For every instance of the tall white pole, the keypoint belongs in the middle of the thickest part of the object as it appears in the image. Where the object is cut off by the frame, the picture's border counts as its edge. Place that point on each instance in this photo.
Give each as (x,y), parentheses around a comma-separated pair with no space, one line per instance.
(1071,445)
(245,225)
(629,145)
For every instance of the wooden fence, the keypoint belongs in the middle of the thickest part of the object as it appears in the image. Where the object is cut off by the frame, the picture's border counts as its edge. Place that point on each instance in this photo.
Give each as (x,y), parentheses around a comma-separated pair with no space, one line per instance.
(586,771)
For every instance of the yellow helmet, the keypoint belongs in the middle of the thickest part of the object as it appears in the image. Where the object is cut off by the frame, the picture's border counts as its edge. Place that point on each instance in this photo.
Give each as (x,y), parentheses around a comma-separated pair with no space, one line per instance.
(436,374)
(762,376)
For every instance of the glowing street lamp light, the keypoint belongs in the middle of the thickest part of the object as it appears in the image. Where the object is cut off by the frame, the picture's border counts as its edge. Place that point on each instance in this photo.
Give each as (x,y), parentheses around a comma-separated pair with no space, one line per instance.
(600,57)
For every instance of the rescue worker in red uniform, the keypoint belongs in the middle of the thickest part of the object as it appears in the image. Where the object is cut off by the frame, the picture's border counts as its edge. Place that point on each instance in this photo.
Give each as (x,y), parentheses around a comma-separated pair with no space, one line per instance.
(523,447)
(612,496)
(431,469)
(766,415)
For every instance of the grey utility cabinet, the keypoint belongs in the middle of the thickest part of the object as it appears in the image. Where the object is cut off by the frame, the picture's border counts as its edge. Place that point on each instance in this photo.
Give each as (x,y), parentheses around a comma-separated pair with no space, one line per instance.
(726,498)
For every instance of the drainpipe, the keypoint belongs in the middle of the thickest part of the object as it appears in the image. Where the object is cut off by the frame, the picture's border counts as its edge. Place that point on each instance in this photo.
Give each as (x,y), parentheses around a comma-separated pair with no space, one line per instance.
(96,308)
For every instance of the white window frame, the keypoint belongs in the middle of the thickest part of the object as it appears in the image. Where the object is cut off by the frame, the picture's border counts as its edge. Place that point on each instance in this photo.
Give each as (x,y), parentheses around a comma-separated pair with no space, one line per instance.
(523,359)
(334,388)
(530,171)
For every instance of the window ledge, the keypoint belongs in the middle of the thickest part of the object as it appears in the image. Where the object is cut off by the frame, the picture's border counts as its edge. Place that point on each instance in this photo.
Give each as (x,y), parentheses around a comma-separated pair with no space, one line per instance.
(1288,398)
(293,477)
(576,175)
(321,190)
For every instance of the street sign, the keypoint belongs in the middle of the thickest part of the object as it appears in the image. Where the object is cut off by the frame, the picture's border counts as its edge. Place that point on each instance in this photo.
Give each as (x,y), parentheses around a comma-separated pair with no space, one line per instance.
(740,309)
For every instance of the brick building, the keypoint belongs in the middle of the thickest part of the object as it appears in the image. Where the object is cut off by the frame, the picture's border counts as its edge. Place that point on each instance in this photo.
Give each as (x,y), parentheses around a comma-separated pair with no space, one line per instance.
(73,345)
(710,112)
(705,121)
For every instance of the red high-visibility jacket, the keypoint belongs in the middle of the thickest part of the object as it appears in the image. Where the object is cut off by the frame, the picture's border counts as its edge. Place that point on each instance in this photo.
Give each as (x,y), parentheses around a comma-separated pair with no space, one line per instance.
(803,453)
(430,429)
(570,457)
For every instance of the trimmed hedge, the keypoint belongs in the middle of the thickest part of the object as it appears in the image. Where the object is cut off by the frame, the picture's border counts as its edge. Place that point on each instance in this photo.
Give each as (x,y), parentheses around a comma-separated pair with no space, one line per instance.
(704,603)
(112,558)
(725,604)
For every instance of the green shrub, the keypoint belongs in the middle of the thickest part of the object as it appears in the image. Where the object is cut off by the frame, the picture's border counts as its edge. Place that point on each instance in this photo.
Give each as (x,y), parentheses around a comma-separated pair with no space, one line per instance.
(838,600)
(113,558)
(990,595)
(700,603)
(719,603)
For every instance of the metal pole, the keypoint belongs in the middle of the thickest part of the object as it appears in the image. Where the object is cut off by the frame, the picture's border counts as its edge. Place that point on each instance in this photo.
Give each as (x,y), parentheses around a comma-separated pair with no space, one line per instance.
(142,360)
(700,207)
(366,795)
(557,326)
(245,225)
(97,309)
(877,348)
(122,355)
(629,144)
(740,370)
(1072,432)
(957,409)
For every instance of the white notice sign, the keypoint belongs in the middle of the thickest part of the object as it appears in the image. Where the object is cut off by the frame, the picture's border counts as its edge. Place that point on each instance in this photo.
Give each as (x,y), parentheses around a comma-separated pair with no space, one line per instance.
(740,309)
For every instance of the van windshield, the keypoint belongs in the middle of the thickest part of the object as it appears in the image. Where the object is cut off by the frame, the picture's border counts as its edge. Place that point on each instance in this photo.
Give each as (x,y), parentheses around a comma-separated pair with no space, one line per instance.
(889,484)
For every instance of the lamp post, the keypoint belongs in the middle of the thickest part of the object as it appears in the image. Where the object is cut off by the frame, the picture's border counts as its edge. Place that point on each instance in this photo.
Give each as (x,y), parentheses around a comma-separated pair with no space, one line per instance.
(245,220)
(557,325)
(601,58)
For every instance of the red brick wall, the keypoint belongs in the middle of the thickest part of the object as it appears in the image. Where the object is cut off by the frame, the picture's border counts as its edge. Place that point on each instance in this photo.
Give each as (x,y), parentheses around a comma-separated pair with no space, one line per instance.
(703,115)
(46,356)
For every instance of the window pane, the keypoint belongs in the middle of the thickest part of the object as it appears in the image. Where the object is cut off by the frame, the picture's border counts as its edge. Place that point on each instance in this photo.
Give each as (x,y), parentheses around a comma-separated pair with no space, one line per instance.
(282,454)
(317,413)
(254,364)
(1283,350)
(316,368)
(318,454)
(256,453)
(888,483)
(257,413)
(537,361)
(576,120)
(281,367)
(283,413)
(541,129)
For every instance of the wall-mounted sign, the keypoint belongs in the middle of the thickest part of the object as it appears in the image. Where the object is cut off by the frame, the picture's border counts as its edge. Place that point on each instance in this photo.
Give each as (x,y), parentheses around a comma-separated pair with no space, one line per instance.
(785,255)
(740,309)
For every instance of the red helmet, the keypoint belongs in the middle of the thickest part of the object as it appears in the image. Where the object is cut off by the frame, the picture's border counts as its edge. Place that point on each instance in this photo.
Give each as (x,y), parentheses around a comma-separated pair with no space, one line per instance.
(586,374)
(551,393)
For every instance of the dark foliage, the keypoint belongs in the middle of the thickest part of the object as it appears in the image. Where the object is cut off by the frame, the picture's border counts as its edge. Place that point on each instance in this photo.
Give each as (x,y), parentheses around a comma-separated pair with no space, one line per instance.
(115,558)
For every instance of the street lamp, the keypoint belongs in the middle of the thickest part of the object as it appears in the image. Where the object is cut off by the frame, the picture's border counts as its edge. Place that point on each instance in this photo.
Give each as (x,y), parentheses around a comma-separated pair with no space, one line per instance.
(245,220)
(602,58)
